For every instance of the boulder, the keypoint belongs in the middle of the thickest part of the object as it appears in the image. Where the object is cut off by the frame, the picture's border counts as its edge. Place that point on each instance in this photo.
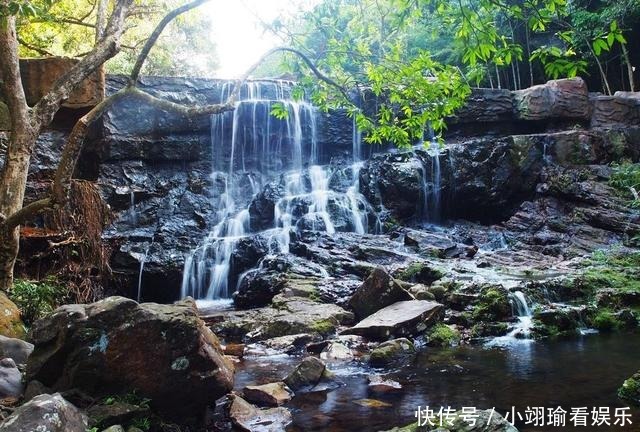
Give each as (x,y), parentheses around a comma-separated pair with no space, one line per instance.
(15,349)
(272,394)
(39,75)
(392,353)
(164,352)
(615,111)
(11,386)
(336,351)
(117,412)
(630,389)
(376,292)
(310,375)
(248,418)
(486,105)
(557,99)
(10,323)
(50,413)
(400,319)
(378,384)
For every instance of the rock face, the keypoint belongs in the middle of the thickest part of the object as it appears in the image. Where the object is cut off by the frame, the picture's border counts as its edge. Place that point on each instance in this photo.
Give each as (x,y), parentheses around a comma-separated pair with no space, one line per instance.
(376,292)
(164,352)
(403,318)
(11,325)
(51,413)
(39,75)
(557,99)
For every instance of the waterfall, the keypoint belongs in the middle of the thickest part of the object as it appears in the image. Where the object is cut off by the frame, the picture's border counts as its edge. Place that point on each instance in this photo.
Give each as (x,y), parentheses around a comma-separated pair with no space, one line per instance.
(521,330)
(430,210)
(251,148)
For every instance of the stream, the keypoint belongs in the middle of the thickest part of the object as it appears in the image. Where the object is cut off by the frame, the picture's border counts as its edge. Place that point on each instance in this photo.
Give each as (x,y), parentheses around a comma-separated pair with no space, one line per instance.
(581,372)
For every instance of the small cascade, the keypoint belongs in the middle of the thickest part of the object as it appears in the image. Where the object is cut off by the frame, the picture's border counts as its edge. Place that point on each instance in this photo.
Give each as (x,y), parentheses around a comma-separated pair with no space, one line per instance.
(133,215)
(521,331)
(143,260)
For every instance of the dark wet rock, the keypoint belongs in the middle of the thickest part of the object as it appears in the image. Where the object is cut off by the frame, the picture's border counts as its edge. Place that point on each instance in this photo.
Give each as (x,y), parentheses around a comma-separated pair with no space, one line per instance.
(557,99)
(249,418)
(15,349)
(394,180)
(400,319)
(376,292)
(378,384)
(311,374)
(96,348)
(262,208)
(419,272)
(34,388)
(104,415)
(395,352)
(11,386)
(272,394)
(551,322)
(258,287)
(630,389)
(50,413)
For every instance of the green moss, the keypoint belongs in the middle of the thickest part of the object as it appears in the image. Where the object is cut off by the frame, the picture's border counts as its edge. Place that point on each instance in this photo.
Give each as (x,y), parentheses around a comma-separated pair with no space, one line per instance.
(624,177)
(323,326)
(493,305)
(630,389)
(36,299)
(605,320)
(489,329)
(420,272)
(443,335)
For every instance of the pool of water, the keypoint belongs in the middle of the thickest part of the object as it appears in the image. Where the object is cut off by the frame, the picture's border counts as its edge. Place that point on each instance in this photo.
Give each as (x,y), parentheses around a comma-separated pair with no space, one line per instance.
(582,372)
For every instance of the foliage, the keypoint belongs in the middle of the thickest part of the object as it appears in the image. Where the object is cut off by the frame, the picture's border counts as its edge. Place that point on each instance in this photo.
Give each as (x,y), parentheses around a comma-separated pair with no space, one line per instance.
(68,28)
(620,271)
(626,178)
(443,335)
(36,299)
(605,320)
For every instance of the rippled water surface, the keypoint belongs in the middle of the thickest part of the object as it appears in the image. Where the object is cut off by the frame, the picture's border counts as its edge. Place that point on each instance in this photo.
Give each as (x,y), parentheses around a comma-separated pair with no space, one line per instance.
(581,372)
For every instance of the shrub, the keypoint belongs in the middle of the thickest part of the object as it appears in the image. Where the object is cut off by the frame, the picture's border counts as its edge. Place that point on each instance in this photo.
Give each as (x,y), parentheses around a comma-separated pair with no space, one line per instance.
(36,299)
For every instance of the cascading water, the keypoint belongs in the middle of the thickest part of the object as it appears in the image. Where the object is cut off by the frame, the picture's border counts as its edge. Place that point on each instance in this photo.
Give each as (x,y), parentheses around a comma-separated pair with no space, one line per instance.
(431,183)
(521,331)
(251,148)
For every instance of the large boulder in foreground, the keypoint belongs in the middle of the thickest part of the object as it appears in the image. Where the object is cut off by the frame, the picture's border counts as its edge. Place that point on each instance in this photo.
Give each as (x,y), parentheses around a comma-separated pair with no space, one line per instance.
(114,346)
(376,292)
(630,389)
(11,324)
(47,413)
(404,318)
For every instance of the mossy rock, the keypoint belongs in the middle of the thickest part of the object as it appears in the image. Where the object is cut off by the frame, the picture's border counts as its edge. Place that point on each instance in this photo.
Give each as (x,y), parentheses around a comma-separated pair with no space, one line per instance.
(392,352)
(324,327)
(11,324)
(443,335)
(493,305)
(630,389)
(419,272)
(604,320)
(489,329)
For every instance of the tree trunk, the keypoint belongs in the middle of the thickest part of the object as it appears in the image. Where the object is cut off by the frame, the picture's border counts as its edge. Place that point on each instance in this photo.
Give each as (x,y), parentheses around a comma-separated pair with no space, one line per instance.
(13,180)
(625,55)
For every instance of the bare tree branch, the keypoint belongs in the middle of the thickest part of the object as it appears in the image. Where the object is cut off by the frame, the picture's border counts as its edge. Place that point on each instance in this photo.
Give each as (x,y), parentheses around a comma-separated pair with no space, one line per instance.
(34,48)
